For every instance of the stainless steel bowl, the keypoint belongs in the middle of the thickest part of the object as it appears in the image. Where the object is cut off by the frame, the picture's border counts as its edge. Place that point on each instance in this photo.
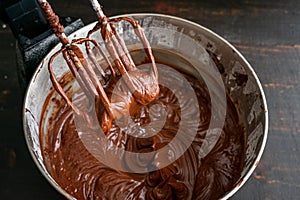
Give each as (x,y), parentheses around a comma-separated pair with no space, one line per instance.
(249,96)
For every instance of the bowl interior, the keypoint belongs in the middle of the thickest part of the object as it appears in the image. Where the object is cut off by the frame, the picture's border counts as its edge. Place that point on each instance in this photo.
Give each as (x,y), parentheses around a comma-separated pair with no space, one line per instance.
(165,32)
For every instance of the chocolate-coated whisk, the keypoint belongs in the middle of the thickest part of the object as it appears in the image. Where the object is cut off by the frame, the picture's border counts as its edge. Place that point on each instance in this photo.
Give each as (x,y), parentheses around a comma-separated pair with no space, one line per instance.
(87,70)
(78,64)
(145,91)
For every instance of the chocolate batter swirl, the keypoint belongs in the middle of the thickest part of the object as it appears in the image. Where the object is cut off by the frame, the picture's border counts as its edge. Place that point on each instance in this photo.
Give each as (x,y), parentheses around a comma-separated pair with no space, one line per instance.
(192,176)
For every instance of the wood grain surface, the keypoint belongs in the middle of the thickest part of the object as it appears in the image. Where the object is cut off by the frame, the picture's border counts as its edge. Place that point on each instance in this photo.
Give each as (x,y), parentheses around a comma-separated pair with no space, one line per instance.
(266,32)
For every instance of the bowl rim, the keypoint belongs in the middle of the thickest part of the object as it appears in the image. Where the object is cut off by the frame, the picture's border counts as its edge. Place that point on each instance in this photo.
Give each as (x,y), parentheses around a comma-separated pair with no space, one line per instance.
(264,101)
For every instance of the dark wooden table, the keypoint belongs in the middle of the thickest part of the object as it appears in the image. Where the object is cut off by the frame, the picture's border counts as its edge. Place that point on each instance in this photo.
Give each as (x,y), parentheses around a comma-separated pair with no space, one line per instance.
(267,32)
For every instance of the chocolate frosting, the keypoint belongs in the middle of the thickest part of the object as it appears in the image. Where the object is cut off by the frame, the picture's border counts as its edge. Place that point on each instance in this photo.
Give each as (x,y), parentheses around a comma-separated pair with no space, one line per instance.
(192,176)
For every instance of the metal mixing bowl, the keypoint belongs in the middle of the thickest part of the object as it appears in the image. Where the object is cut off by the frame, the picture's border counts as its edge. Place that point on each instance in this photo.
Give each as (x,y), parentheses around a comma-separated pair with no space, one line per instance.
(249,96)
